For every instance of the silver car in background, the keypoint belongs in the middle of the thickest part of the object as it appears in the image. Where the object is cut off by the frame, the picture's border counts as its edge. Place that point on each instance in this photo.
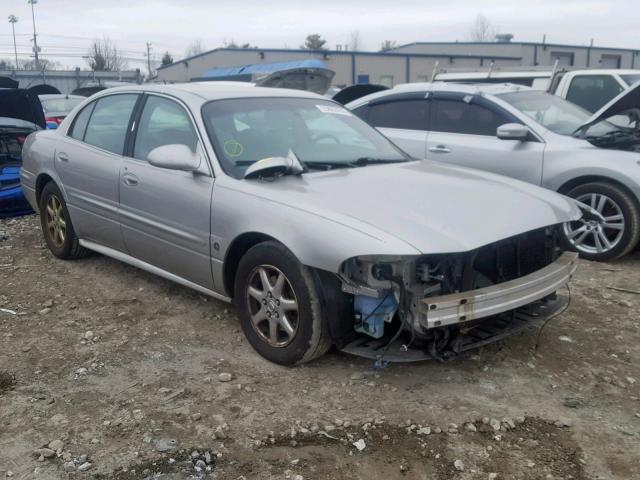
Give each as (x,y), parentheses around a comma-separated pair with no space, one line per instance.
(531,136)
(318,228)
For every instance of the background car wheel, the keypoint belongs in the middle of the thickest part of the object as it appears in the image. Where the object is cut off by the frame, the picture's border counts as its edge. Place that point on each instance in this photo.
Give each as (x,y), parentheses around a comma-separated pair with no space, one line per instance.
(279,306)
(56,225)
(617,230)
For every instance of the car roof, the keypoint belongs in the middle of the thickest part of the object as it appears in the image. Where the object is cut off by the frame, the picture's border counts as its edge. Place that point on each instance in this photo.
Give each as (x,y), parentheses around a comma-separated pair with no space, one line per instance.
(51,96)
(468,88)
(214,90)
(608,71)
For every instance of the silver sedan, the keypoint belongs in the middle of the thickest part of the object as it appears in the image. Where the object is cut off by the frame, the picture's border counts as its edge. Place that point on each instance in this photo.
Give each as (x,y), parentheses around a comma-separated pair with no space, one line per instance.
(532,136)
(318,228)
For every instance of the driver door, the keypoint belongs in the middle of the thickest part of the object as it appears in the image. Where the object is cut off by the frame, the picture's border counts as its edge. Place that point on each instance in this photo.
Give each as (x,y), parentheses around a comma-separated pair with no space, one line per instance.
(463,132)
(165,214)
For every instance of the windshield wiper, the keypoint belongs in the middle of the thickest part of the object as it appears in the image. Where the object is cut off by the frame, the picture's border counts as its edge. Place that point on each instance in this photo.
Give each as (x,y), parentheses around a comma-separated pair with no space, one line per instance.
(359,162)
(363,161)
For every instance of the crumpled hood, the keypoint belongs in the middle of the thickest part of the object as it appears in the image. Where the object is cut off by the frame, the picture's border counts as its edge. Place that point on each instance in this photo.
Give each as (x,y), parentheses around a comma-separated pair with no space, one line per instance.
(435,208)
(626,100)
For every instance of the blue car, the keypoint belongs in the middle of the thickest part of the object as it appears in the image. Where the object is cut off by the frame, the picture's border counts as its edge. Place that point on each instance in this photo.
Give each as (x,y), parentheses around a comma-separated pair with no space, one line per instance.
(20,115)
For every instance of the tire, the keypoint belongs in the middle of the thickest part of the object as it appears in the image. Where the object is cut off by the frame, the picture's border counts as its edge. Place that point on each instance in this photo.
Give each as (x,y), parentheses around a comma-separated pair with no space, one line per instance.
(622,211)
(307,336)
(61,240)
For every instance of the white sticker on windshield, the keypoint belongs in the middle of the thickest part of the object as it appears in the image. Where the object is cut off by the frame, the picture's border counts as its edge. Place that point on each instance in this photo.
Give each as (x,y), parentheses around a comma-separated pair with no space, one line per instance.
(333,109)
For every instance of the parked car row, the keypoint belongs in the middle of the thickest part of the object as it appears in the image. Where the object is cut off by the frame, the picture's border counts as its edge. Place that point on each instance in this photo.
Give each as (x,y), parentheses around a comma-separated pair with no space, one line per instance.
(320,229)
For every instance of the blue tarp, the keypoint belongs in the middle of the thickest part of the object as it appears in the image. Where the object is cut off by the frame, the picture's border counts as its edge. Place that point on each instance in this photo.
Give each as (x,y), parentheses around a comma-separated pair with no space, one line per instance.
(261,68)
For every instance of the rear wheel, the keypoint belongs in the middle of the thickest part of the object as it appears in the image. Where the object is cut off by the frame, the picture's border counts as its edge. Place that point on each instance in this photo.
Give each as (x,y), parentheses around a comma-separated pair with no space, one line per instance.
(279,307)
(614,231)
(57,228)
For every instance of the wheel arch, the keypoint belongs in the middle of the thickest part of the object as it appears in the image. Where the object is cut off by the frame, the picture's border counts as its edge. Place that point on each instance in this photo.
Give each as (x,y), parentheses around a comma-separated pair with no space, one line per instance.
(238,247)
(584,179)
(42,180)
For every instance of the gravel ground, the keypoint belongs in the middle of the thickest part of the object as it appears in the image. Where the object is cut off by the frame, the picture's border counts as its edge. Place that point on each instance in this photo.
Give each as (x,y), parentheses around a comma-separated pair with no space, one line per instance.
(107,372)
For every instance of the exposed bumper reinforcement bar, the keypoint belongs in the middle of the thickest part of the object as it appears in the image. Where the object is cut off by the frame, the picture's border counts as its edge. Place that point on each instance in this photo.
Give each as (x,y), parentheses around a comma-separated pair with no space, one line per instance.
(472,336)
(463,307)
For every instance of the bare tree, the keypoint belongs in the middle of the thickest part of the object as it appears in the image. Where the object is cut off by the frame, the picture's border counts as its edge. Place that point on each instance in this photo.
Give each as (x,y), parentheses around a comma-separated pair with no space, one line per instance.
(388,45)
(196,47)
(354,41)
(482,30)
(104,56)
(43,64)
(314,41)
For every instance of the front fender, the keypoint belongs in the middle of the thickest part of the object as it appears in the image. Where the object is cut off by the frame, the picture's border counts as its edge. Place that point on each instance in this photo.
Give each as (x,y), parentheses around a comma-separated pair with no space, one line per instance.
(316,240)
(618,166)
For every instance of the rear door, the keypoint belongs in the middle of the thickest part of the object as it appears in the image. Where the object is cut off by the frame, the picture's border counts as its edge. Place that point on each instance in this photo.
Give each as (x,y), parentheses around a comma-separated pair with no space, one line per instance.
(88,161)
(463,131)
(403,118)
(165,214)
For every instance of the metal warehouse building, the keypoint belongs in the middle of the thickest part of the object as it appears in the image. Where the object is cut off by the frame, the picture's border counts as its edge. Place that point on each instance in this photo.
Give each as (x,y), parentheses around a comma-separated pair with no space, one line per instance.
(413,62)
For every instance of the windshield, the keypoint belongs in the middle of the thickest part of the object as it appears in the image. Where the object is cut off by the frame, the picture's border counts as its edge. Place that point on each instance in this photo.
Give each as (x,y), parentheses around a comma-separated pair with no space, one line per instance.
(60,105)
(630,78)
(554,113)
(320,133)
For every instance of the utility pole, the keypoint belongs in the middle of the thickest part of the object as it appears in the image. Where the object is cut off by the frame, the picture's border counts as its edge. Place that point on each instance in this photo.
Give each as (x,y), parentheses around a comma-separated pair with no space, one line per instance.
(35,39)
(149,58)
(13,20)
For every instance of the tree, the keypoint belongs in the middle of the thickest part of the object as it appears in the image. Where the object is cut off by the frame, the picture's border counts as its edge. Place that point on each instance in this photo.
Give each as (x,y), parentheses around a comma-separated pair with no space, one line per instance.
(196,47)
(44,64)
(233,44)
(354,41)
(313,42)
(104,56)
(167,59)
(5,65)
(482,30)
(388,45)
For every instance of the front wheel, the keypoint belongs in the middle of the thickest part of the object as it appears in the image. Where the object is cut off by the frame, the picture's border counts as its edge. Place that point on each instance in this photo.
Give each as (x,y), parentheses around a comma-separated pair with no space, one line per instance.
(615,229)
(279,305)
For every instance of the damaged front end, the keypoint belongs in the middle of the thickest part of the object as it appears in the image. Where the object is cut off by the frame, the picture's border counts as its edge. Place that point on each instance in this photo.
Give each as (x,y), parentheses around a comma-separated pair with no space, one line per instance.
(436,306)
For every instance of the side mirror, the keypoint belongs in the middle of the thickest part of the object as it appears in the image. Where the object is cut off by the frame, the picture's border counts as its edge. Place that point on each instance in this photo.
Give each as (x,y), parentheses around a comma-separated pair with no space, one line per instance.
(174,157)
(513,131)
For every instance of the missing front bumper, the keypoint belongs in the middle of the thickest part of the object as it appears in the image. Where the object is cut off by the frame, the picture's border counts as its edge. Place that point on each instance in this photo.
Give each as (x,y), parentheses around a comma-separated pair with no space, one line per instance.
(467,337)
(457,308)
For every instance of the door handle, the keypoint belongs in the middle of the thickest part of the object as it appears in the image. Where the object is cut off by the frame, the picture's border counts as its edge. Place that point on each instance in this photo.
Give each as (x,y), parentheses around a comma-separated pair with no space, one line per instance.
(130,179)
(439,149)
(62,157)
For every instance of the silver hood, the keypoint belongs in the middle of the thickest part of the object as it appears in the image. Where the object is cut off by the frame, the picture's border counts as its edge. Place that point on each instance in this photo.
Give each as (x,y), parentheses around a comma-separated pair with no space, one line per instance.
(626,100)
(432,207)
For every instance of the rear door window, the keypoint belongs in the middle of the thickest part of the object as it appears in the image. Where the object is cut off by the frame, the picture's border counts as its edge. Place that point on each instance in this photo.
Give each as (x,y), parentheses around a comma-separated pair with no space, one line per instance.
(592,92)
(81,121)
(458,116)
(403,114)
(107,128)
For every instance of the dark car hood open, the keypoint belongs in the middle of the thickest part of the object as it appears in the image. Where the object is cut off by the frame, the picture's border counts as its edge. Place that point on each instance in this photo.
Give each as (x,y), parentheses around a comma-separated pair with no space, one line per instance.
(626,100)
(354,92)
(21,104)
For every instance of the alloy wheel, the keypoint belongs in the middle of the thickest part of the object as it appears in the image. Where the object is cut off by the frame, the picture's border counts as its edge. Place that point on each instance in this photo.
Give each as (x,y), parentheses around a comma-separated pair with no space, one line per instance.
(601,234)
(55,221)
(273,306)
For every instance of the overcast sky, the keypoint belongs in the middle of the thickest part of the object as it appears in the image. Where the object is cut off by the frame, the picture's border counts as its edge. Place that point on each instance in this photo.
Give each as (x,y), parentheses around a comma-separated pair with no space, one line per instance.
(66,27)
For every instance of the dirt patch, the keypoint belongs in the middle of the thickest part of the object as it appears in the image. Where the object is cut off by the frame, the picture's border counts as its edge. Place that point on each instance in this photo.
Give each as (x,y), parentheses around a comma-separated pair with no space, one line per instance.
(7,381)
(532,450)
(111,359)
